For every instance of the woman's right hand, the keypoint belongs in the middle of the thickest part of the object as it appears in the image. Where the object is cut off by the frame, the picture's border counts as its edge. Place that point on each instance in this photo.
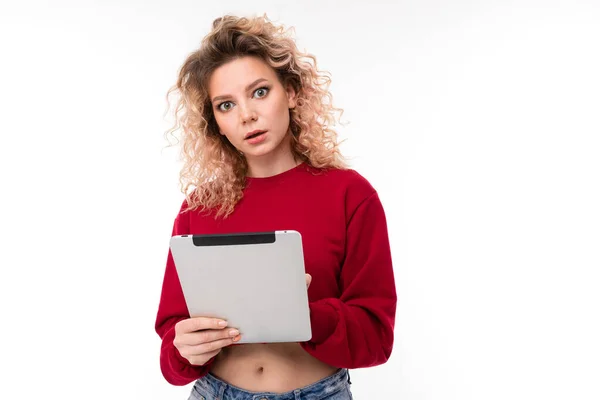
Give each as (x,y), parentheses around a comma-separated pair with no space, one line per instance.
(199,339)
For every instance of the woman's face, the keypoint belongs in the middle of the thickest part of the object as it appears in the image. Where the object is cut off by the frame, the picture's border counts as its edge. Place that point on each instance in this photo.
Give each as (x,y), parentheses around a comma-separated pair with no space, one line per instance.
(246,96)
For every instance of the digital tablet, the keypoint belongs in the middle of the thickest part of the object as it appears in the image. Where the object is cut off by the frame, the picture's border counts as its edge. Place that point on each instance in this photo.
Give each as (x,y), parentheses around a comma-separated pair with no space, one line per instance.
(255,281)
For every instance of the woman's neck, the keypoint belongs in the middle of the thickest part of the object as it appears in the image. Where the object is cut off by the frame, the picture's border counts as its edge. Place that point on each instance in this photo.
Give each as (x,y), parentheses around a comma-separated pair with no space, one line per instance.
(266,167)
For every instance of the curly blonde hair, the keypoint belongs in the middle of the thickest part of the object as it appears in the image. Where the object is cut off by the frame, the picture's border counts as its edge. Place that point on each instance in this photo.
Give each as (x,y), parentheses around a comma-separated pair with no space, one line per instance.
(213,175)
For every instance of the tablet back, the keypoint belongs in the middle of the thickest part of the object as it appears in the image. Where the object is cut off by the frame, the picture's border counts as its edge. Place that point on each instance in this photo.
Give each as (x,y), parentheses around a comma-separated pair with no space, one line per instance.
(255,281)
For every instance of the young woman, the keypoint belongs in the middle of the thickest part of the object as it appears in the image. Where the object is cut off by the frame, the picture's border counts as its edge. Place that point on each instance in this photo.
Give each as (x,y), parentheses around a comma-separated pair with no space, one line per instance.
(259,155)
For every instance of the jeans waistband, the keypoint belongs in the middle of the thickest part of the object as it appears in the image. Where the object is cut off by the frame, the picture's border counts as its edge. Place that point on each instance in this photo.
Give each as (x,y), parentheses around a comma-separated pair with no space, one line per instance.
(317,390)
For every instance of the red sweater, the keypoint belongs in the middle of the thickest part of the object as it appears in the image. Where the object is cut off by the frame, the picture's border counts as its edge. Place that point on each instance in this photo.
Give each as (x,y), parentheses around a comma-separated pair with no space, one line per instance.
(352,296)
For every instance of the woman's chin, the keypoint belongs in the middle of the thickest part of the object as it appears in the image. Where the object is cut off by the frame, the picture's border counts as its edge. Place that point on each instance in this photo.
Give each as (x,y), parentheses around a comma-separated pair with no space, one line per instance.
(258,151)
(267,148)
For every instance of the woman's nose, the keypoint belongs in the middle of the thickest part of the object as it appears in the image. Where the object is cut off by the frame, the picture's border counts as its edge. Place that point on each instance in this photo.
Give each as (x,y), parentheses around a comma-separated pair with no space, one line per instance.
(247,113)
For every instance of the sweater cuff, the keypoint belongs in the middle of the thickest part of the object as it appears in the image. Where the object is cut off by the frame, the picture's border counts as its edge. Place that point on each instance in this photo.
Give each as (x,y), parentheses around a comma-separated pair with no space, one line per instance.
(323,320)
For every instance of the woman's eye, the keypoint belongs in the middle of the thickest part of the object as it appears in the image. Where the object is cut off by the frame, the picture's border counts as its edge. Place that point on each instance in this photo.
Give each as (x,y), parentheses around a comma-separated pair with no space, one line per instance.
(262,92)
(222,108)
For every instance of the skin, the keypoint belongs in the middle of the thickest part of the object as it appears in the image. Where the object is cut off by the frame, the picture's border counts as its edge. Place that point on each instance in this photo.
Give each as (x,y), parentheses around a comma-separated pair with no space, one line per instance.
(246,95)
(264,106)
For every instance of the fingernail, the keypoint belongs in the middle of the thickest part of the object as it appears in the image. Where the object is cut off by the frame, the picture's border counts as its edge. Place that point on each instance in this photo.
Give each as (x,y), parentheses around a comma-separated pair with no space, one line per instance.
(222,323)
(235,339)
(233,332)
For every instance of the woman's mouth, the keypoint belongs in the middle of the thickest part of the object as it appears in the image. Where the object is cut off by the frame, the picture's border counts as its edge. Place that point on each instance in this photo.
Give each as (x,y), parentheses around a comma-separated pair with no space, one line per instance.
(257,137)
(254,134)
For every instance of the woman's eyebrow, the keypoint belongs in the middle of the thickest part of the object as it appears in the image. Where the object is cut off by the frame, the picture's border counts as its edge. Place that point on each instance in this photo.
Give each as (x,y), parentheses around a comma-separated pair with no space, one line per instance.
(225,96)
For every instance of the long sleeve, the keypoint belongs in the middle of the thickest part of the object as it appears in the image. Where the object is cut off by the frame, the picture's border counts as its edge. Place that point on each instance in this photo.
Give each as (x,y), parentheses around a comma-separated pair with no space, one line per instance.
(172,309)
(356,330)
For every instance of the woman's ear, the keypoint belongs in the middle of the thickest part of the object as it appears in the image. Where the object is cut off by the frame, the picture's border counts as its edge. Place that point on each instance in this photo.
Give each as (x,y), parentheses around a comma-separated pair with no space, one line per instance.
(291,94)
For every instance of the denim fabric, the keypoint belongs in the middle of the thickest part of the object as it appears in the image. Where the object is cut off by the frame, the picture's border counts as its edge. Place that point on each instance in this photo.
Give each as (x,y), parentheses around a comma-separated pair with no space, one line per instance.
(335,387)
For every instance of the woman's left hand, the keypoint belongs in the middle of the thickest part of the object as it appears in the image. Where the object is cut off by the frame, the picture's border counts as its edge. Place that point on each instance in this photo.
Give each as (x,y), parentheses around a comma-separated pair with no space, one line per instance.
(308,280)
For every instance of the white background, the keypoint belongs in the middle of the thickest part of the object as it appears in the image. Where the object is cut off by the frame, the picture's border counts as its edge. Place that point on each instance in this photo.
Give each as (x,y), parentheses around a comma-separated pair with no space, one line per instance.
(477,122)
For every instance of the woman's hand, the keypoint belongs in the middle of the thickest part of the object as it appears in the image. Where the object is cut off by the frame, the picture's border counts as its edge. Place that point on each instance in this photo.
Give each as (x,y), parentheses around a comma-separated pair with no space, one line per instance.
(199,339)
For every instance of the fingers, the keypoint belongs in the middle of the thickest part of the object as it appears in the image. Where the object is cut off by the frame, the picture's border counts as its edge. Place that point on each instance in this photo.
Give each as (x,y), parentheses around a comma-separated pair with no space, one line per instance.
(199,354)
(199,347)
(210,347)
(208,335)
(199,323)
(308,280)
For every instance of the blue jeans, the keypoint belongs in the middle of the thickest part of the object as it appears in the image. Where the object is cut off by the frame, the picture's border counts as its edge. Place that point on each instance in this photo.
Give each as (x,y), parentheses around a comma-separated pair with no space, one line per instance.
(335,387)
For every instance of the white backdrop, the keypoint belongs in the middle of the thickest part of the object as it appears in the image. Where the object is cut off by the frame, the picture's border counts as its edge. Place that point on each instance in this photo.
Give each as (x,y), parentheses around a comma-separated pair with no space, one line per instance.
(476,121)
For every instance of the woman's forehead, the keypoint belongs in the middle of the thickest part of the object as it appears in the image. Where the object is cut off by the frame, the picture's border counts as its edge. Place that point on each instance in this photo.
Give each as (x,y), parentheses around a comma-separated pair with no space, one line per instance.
(237,74)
